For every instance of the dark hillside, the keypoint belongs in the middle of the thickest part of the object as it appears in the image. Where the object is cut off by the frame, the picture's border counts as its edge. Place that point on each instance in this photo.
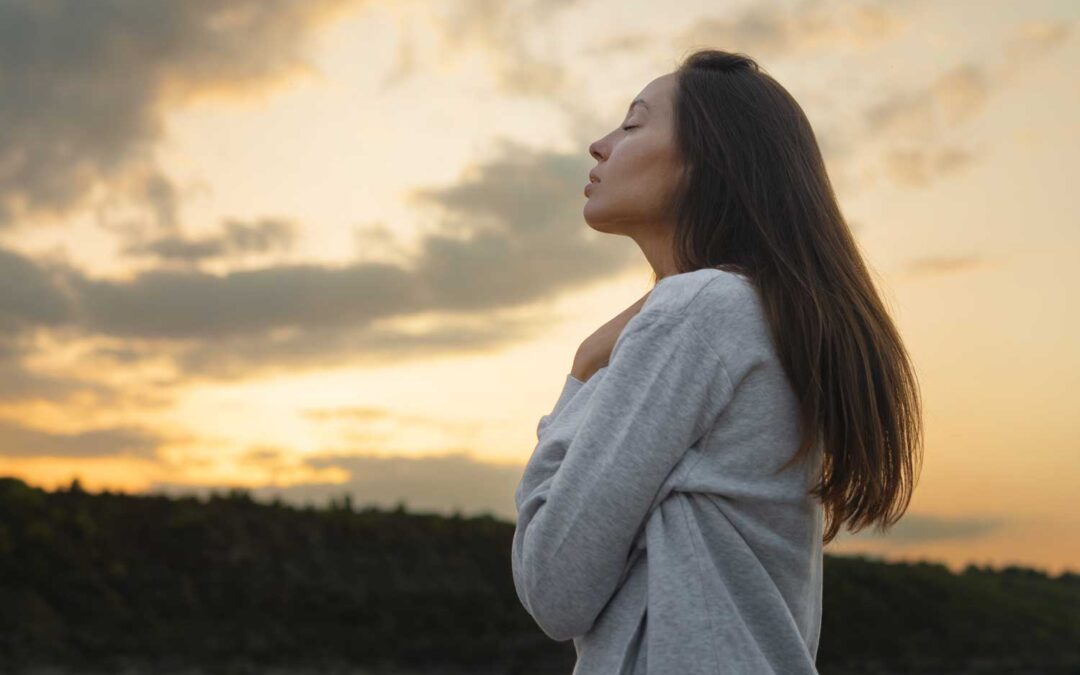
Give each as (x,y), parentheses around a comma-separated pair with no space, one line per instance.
(98,580)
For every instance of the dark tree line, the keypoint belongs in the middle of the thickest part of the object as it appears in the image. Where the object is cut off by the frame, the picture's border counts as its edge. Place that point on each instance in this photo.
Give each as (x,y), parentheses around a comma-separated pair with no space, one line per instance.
(99,580)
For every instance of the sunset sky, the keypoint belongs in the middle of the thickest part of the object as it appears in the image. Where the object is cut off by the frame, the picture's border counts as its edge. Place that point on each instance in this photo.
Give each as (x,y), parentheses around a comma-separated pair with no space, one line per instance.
(321,247)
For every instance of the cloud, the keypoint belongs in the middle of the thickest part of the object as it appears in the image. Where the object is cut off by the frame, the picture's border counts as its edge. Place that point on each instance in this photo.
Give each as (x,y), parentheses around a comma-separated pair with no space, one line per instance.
(925,528)
(20,384)
(498,29)
(86,85)
(433,483)
(237,358)
(920,166)
(508,234)
(31,296)
(953,97)
(235,238)
(32,302)
(17,440)
(919,124)
(945,264)
(378,241)
(1032,39)
(772,31)
(455,480)
(193,304)
(406,63)
(621,44)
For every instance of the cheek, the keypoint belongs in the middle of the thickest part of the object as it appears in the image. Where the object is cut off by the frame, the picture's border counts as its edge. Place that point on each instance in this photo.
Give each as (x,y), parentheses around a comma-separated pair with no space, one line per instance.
(641,160)
(653,170)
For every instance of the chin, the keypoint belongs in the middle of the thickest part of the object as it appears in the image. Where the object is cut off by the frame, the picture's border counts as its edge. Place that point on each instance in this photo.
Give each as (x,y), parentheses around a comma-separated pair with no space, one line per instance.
(593,223)
(602,227)
(597,222)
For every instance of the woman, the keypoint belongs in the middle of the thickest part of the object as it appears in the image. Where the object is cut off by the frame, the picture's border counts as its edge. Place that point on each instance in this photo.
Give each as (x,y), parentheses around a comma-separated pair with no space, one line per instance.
(672,516)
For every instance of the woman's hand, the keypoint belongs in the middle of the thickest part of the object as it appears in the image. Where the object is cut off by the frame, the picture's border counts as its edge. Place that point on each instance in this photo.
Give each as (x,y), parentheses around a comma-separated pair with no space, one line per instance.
(594,352)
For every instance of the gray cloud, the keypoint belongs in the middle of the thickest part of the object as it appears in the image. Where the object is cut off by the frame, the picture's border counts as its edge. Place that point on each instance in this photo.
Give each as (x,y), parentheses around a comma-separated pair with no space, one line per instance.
(507,235)
(455,481)
(441,483)
(192,304)
(925,528)
(497,28)
(85,84)
(264,354)
(235,238)
(31,296)
(378,241)
(156,190)
(953,97)
(918,124)
(510,233)
(17,440)
(33,299)
(621,44)
(772,31)
(18,383)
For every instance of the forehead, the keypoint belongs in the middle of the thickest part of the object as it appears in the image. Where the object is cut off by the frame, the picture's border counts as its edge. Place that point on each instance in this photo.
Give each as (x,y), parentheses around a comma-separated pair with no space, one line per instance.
(655,94)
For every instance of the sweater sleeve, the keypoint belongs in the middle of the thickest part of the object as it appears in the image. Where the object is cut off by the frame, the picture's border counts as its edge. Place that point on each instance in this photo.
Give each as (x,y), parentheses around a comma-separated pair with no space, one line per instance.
(546,457)
(571,386)
(664,386)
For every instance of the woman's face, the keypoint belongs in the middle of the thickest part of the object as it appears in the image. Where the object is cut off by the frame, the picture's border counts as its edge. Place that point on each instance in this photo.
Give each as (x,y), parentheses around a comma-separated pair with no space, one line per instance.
(638,168)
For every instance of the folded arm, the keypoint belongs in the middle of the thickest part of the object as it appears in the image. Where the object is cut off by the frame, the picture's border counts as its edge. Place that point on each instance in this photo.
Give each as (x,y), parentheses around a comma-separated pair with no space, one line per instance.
(582,504)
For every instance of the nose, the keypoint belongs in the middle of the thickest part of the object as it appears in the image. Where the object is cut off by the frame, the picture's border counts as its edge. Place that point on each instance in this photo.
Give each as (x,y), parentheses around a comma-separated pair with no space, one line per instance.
(594,151)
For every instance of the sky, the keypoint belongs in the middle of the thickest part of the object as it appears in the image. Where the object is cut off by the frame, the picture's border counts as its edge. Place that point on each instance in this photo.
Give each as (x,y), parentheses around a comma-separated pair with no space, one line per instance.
(319,247)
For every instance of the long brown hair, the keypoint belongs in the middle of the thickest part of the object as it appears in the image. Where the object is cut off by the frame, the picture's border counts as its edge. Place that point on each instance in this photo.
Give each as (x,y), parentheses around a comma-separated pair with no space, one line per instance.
(756,199)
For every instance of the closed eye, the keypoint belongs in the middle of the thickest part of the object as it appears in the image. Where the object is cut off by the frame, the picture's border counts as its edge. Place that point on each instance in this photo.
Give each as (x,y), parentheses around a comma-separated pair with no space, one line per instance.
(628,128)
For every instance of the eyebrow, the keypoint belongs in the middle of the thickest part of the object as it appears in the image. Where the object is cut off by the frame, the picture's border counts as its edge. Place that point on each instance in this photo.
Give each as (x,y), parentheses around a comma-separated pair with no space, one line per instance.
(635,102)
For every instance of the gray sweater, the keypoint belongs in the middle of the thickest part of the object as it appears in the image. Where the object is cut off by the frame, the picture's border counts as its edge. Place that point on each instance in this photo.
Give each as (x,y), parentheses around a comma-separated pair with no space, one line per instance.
(651,527)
